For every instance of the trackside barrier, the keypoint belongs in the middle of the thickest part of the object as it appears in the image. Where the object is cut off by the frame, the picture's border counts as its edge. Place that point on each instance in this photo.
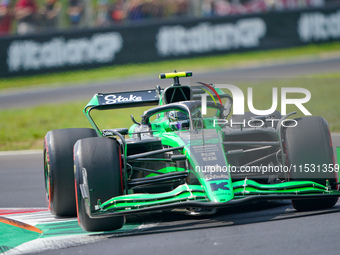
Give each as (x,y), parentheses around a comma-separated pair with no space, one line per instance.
(86,49)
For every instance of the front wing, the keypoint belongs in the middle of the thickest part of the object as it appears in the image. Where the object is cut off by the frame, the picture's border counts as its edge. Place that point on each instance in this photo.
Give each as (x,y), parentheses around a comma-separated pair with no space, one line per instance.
(186,196)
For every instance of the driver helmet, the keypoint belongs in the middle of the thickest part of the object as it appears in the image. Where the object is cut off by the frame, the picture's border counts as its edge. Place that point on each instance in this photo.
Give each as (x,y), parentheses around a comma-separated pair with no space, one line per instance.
(178,120)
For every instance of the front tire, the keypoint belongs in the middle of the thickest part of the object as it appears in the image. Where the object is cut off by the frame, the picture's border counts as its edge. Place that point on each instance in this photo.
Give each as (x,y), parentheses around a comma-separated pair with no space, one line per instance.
(98,163)
(58,169)
(309,142)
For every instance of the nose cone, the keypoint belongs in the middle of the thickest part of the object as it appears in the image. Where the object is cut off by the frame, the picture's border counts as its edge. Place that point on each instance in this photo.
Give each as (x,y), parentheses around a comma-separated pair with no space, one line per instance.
(210,164)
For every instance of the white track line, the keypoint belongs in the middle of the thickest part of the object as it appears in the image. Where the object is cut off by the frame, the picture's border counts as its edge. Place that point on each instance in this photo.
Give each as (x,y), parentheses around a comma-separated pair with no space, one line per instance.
(25,152)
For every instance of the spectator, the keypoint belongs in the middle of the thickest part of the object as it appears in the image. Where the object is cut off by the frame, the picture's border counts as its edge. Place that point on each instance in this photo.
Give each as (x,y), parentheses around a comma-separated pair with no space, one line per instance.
(208,8)
(102,18)
(134,10)
(147,10)
(6,17)
(49,14)
(182,8)
(153,9)
(75,12)
(118,11)
(26,14)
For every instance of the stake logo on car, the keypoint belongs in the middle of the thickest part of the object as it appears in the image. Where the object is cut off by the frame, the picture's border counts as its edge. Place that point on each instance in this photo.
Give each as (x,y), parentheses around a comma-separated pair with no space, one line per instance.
(112,99)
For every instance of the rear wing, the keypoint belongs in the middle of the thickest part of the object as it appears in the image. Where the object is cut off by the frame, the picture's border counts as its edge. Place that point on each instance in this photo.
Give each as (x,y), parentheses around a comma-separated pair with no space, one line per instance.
(109,101)
(118,100)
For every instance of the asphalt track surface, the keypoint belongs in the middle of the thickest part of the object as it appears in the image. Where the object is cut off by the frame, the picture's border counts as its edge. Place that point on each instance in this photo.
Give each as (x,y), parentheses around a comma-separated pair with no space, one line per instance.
(33,97)
(266,228)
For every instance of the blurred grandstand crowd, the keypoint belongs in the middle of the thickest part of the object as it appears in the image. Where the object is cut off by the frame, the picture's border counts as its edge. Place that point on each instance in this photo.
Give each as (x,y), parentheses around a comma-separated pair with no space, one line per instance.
(41,16)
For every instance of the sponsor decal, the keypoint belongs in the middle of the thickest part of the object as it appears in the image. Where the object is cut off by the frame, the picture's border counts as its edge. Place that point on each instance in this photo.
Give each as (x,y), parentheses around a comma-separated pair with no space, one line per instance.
(317,26)
(147,96)
(219,185)
(113,99)
(208,156)
(209,177)
(25,55)
(205,37)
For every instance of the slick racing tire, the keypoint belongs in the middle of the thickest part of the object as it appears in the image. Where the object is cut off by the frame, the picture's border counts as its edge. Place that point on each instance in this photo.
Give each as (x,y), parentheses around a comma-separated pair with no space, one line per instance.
(98,168)
(309,142)
(58,169)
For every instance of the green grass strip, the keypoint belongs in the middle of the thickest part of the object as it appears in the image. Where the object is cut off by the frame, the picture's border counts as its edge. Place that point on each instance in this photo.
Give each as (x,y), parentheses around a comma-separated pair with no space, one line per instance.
(22,129)
(198,64)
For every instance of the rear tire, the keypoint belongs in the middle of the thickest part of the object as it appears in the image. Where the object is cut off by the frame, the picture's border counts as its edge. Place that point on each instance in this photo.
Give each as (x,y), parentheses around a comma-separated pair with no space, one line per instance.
(101,159)
(310,143)
(58,169)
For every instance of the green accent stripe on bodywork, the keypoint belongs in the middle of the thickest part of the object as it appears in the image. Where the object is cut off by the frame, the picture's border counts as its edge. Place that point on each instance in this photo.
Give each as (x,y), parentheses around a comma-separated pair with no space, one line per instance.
(250,187)
(137,201)
(169,169)
(93,102)
(197,193)
(253,191)
(277,186)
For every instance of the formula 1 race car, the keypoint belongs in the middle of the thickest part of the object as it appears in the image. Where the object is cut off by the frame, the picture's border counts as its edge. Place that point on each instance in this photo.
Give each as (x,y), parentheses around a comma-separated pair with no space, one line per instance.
(179,156)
